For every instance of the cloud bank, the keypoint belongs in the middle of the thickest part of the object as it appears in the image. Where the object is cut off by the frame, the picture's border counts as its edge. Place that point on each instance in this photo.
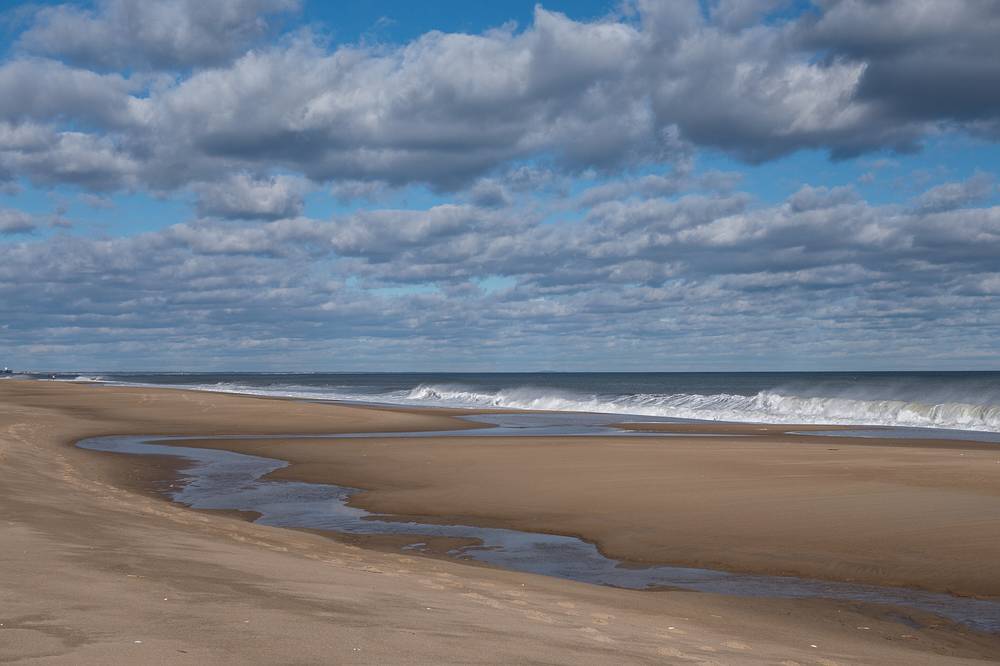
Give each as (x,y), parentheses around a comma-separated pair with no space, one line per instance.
(823,274)
(571,225)
(171,94)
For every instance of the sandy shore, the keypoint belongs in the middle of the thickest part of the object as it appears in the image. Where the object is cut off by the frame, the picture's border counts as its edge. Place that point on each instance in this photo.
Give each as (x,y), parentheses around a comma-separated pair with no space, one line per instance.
(94,571)
(926,515)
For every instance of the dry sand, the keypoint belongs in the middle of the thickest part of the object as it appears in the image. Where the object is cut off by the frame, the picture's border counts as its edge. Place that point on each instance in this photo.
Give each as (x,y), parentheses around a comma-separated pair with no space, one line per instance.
(94,571)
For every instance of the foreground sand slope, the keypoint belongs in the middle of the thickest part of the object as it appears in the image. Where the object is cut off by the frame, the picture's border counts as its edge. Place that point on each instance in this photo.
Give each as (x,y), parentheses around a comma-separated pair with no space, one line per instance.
(93,572)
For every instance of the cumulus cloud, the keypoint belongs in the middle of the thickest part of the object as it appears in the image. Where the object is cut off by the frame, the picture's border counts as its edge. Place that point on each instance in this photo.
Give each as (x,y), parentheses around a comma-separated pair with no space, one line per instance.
(38,91)
(438,110)
(489,193)
(949,196)
(15,222)
(443,235)
(643,271)
(926,61)
(638,271)
(447,109)
(660,185)
(50,157)
(560,157)
(242,196)
(166,34)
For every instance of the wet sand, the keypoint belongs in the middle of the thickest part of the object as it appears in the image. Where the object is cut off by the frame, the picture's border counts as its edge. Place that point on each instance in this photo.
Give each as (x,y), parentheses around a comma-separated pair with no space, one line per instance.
(845,509)
(94,571)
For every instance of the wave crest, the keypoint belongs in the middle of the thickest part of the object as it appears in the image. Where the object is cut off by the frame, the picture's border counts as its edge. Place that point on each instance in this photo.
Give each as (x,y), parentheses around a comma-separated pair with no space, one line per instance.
(762,407)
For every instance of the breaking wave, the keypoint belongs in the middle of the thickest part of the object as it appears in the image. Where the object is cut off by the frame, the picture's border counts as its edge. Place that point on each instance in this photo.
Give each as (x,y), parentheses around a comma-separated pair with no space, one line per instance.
(762,407)
(75,378)
(924,405)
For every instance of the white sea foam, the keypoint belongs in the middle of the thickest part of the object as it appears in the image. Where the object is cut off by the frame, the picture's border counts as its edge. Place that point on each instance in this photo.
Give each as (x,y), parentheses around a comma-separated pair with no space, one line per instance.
(80,379)
(771,406)
(762,407)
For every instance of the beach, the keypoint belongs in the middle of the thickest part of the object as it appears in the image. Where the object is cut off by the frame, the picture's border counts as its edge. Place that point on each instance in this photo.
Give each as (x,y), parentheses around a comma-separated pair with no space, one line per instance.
(99,567)
(830,508)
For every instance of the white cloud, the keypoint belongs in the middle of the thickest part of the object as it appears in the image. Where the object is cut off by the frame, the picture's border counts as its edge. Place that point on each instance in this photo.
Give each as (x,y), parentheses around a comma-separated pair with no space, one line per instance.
(978,187)
(15,222)
(447,109)
(568,149)
(703,268)
(161,34)
(242,196)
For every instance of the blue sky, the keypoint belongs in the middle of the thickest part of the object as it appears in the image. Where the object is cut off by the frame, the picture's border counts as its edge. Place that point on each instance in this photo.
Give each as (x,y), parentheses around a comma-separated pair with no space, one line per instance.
(400,22)
(271,184)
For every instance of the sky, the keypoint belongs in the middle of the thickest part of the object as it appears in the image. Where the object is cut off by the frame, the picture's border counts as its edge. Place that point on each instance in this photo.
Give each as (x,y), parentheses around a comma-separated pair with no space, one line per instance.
(286,185)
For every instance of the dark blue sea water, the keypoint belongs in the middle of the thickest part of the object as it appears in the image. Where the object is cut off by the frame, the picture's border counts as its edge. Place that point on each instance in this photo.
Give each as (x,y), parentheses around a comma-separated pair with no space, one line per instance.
(951,400)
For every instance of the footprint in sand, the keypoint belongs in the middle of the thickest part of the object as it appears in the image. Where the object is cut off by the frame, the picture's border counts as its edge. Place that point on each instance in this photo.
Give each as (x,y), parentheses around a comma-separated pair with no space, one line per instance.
(567,608)
(595,635)
(539,617)
(449,584)
(427,582)
(480,599)
(672,652)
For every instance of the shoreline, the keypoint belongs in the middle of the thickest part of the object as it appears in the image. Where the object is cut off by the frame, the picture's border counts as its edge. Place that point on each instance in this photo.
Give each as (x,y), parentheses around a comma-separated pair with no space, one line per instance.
(970,423)
(71,532)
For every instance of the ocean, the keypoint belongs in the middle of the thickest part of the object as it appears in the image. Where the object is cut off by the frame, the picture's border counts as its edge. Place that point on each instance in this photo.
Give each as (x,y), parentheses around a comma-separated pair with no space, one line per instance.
(944,400)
